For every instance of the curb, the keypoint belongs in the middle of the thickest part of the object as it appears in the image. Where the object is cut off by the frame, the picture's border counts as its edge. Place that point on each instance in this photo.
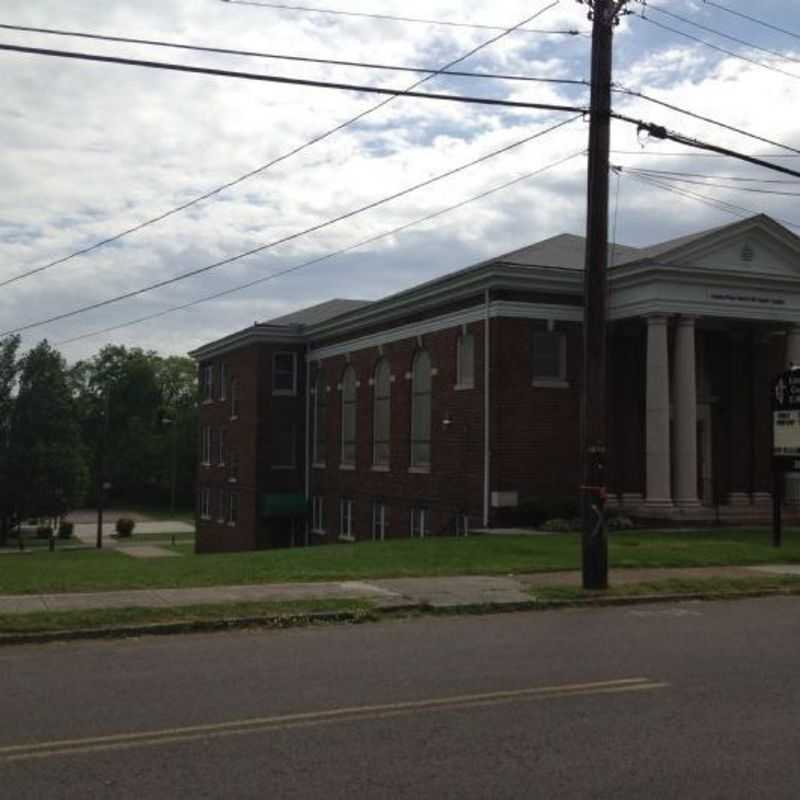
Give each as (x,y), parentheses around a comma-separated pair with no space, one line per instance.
(283,621)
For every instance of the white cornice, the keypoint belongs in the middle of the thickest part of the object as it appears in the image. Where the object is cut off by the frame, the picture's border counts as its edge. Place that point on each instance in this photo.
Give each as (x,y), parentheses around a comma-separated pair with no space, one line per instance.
(497,308)
(270,334)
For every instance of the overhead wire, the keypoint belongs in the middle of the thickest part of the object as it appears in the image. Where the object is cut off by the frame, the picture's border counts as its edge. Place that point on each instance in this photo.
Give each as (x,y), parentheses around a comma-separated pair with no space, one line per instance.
(305,145)
(289,237)
(711,184)
(396,18)
(690,153)
(283,56)
(758,21)
(326,256)
(716,47)
(658,9)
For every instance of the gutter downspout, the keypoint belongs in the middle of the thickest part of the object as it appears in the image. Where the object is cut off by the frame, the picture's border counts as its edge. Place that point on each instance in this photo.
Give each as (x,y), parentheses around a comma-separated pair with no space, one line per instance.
(308,442)
(486,409)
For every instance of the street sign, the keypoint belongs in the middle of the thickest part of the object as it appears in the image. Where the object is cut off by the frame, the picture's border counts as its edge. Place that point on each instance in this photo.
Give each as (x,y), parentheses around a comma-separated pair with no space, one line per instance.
(786,418)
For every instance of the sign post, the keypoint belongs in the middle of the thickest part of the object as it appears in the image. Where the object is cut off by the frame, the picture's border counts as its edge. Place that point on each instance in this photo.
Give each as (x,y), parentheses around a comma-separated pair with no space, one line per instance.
(785,441)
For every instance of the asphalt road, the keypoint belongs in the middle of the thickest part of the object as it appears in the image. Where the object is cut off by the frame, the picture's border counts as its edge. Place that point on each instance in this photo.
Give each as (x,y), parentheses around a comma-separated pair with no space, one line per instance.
(698,700)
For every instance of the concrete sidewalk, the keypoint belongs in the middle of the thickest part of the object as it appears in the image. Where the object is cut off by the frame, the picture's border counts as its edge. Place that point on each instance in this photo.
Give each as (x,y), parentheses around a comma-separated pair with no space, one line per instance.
(390,593)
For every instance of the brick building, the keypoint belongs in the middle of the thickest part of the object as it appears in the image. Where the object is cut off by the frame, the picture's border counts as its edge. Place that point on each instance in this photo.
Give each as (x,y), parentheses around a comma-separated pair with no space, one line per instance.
(438,409)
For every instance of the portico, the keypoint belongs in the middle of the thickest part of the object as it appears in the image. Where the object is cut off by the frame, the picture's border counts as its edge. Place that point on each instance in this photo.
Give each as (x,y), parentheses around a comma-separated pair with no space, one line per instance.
(718,315)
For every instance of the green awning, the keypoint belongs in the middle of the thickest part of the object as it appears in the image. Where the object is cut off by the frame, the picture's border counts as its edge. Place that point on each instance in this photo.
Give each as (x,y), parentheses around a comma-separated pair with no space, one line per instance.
(283,505)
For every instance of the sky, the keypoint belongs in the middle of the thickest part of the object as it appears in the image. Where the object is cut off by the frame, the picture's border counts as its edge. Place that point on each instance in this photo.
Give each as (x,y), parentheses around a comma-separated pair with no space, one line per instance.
(90,149)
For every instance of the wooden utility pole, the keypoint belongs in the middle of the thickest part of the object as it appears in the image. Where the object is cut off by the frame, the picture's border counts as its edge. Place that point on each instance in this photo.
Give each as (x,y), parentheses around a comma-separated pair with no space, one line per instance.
(604,14)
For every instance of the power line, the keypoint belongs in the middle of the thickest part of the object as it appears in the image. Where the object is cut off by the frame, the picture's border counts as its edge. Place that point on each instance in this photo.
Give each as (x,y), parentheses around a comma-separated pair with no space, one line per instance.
(703,118)
(721,205)
(290,237)
(285,57)
(316,139)
(253,76)
(660,132)
(393,18)
(711,184)
(752,19)
(648,5)
(672,173)
(719,49)
(691,154)
(327,256)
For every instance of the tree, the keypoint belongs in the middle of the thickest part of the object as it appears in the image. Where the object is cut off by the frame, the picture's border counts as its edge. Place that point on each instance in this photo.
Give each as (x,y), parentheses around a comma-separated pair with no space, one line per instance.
(9,368)
(48,469)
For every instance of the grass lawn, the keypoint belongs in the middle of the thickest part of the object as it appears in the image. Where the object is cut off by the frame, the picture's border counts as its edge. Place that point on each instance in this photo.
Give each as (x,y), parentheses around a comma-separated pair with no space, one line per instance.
(92,570)
(116,617)
(718,587)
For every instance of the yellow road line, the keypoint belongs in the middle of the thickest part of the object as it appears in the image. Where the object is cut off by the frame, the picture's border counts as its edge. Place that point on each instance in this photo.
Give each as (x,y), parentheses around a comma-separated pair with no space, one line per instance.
(314,718)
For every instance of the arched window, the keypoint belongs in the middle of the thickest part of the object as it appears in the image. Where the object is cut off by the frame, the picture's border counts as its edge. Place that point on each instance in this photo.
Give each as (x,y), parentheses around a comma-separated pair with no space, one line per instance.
(381,413)
(320,419)
(349,417)
(421,410)
(465,361)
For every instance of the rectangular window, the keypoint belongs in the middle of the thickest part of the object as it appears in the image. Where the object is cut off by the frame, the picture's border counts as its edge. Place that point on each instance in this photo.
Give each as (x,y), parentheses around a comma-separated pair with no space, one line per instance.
(234,398)
(221,447)
(284,373)
(205,504)
(233,465)
(205,446)
(284,446)
(221,505)
(465,364)
(419,522)
(462,524)
(223,369)
(379,520)
(233,508)
(549,350)
(317,518)
(346,518)
(207,383)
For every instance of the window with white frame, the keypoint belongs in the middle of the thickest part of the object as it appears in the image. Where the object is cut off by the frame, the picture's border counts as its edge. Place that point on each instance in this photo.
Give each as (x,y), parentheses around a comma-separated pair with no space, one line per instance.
(381,414)
(205,446)
(233,464)
(234,398)
(465,361)
(462,524)
(548,355)
(379,515)
(420,520)
(284,373)
(207,383)
(221,447)
(317,514)
(349,417)
(233,508)
(222,508)
(421,410)
(320,419)
(345,518)
(205,503)
(223,378)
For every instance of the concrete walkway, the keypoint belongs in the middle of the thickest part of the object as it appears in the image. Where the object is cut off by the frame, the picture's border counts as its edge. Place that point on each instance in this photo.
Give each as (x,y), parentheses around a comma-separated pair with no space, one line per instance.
(438,592)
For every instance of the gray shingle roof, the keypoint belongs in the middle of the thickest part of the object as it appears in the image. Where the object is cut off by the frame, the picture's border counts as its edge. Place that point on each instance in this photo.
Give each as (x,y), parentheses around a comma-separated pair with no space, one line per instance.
(318,313)
(565,251)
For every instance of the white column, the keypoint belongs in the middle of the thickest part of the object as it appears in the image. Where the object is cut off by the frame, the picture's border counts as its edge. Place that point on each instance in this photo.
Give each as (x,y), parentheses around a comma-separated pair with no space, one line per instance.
(657,457)
(792,485)
(685,389)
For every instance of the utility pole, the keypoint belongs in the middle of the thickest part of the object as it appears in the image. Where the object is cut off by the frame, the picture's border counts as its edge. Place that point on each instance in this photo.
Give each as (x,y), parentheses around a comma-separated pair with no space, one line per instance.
(101,471)
(604,15)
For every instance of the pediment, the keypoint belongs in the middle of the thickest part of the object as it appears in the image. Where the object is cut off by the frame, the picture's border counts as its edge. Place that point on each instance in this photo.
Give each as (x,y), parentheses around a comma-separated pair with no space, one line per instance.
(761,248)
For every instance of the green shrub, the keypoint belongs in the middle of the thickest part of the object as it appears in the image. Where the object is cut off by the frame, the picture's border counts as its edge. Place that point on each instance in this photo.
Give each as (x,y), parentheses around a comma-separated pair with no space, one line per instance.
(125,526)
(66,529)
(44,532)
(618,522)
(560,525)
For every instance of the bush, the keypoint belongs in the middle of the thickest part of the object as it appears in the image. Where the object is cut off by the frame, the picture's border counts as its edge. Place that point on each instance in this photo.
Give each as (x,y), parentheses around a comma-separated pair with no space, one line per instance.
(125,526)
(44,532)
(65,529)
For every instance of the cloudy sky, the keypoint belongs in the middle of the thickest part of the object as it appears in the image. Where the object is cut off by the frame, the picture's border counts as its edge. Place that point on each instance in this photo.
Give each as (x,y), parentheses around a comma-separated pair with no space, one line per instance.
(89,150)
